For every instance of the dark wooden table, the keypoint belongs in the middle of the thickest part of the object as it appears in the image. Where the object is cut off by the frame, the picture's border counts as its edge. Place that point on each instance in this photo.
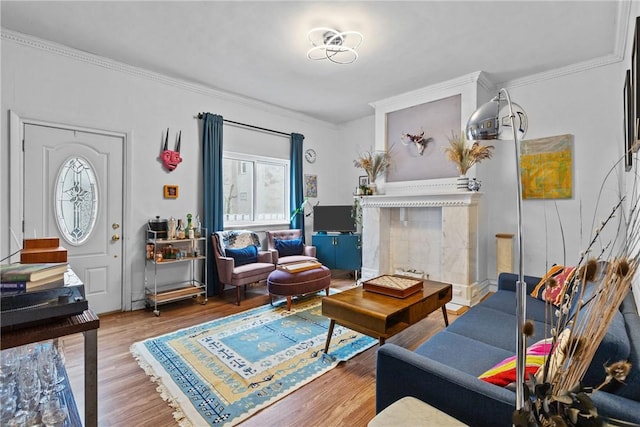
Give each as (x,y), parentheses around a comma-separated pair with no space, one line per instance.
(86,323)
(381,316)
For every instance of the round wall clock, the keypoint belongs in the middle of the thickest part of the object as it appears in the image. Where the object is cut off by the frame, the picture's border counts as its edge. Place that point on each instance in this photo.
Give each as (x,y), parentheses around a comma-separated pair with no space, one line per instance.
(310,155)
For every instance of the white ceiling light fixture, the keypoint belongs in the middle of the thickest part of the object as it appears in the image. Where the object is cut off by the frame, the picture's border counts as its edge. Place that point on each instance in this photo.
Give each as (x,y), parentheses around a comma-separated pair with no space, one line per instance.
(336,46)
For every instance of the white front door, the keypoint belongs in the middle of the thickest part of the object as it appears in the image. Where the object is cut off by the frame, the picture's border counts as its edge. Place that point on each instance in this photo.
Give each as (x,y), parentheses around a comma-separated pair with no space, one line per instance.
(73,190)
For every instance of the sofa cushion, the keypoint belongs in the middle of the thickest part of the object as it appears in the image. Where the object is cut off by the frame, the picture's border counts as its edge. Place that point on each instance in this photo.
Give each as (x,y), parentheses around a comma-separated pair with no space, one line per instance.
(498,328)
(552,286)
(253,272)
(462,353)
(505,301)
(289,247)
(504,372)
(499,310)
(243,256)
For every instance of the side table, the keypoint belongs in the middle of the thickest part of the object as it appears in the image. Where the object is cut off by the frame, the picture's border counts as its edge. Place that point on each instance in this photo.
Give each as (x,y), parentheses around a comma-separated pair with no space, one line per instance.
(87,323)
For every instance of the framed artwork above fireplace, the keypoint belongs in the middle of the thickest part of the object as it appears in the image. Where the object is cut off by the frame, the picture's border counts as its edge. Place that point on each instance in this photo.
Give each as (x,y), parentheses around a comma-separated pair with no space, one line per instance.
(437,119)
(436,110)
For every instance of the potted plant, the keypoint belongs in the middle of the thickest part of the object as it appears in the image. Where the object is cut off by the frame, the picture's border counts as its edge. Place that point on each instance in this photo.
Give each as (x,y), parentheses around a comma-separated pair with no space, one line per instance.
(374,164)
(465,156)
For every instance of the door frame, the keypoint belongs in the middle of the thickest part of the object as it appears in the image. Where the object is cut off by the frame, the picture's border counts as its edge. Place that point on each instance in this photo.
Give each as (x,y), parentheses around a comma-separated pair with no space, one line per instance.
(16,189)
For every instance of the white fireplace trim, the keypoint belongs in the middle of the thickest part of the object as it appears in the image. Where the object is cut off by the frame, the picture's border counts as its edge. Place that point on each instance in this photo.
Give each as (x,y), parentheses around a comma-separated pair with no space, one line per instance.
(461,198)
(458,239)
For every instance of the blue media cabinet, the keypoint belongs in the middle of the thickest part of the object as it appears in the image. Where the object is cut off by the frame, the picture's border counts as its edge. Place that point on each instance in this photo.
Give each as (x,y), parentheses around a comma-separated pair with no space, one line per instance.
(339,251)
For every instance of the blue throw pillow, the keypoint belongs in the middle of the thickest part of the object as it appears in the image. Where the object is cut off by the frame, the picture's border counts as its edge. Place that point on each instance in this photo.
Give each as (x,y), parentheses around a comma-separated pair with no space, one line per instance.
(243,256)
(289,247)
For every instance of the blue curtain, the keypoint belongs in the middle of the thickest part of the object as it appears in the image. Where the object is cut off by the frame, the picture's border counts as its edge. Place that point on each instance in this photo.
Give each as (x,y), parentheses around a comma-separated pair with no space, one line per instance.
(296,195)
(213,218)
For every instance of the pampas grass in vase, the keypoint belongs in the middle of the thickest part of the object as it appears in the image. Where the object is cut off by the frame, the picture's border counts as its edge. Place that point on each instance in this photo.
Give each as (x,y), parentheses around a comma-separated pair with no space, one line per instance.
(465,155)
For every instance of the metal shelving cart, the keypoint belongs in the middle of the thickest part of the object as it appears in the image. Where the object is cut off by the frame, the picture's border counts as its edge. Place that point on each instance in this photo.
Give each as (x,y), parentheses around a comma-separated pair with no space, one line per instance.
(174,251)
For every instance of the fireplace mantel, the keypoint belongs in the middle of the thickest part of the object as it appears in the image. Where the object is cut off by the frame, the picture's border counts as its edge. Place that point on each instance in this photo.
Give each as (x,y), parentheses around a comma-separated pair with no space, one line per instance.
(434,232)
(458,198)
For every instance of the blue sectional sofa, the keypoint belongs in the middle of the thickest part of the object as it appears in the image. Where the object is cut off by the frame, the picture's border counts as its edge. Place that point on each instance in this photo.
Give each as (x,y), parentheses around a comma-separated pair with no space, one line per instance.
(444,370)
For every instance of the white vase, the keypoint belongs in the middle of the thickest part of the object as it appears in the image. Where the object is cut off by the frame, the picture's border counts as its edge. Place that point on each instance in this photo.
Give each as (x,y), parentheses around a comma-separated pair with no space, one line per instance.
(462,183)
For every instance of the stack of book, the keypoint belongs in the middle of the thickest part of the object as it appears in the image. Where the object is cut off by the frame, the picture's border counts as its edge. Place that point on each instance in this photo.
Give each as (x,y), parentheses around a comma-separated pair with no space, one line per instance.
(298,266)
(20,278)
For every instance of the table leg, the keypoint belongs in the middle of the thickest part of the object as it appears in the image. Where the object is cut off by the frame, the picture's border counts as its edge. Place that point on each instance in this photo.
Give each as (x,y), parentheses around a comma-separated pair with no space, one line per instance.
(91,378)
(444,314)
(329,333)
(381,340)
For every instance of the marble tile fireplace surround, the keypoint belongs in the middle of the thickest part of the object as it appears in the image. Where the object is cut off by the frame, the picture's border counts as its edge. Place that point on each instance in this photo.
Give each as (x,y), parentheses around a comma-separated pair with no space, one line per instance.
(424,223)
(434,233)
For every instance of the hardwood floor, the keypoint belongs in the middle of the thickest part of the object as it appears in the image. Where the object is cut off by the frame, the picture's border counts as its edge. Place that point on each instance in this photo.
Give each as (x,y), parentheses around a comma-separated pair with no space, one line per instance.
(127,397)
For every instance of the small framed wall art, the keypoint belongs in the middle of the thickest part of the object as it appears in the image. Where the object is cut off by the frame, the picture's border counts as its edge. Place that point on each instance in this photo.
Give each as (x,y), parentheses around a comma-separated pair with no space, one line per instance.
(629,128)
(311,185)
(170,191)
(635,84)
(546,165)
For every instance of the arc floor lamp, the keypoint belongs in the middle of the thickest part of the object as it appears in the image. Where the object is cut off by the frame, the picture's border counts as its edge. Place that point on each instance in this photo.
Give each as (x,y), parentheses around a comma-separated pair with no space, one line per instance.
(504,120)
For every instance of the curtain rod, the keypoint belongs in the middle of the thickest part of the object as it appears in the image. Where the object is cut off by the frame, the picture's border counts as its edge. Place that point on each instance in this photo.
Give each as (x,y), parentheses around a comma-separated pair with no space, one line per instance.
(201,115)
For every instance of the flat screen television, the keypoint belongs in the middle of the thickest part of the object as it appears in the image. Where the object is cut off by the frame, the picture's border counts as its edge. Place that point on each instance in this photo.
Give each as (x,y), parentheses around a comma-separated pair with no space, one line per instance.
(334,218)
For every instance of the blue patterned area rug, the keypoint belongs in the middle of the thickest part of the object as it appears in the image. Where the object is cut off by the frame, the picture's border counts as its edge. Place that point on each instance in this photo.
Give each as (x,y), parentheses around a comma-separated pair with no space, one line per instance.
(222,372)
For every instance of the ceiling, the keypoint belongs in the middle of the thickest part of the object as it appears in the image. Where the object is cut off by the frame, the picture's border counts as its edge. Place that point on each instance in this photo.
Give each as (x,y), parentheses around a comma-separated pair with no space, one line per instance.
(258,49)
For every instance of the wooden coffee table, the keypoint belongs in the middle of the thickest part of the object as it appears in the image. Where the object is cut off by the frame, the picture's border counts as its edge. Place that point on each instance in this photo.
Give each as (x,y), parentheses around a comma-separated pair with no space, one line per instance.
(382,316)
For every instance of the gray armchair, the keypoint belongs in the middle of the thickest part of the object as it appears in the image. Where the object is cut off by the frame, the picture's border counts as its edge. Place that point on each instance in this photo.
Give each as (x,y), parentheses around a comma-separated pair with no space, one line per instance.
(286,247)
(239,260)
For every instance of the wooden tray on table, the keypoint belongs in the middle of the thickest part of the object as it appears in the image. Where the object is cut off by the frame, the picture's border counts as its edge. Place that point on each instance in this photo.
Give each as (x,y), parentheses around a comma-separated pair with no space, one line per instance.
(393,285)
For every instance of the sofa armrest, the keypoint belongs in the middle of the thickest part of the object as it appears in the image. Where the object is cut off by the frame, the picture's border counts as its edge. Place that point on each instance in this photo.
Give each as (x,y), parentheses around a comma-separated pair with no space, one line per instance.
(507,282)
(401,372)
(274,256)
(616,407)
(265,256)
(309,251)
(225,267)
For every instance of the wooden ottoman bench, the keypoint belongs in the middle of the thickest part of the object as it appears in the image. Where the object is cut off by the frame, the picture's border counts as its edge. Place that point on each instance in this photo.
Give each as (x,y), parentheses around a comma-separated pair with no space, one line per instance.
(287,282)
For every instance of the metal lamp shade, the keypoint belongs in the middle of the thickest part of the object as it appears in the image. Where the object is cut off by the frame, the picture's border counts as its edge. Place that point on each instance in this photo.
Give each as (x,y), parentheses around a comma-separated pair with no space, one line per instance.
(492,120)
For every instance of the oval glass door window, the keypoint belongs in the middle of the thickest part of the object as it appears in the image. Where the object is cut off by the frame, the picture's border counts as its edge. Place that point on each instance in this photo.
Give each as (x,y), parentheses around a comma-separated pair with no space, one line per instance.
(76,200)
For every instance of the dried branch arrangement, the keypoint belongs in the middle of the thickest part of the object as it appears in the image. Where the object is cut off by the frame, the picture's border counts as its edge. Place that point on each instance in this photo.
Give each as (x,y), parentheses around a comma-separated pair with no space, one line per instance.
(592,298)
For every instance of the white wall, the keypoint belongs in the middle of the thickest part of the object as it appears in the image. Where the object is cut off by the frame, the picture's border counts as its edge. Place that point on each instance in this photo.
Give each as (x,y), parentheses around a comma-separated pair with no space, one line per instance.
(357,137)
(587,105)
(69,87)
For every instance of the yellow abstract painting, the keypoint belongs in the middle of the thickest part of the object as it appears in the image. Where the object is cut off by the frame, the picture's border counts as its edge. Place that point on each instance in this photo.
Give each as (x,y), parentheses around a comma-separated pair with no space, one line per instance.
(546,166)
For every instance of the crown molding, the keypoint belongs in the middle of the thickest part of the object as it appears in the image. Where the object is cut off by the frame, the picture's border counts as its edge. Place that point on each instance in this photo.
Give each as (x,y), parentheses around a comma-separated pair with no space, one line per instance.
(623,19)
(563,71)
(397,101)
(485,83)
(62,50)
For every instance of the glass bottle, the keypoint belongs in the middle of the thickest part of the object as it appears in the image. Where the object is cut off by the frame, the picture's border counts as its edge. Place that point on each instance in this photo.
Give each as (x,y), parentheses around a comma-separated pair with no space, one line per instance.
(172,228)
(180,230)
(189,231)
(197,227)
